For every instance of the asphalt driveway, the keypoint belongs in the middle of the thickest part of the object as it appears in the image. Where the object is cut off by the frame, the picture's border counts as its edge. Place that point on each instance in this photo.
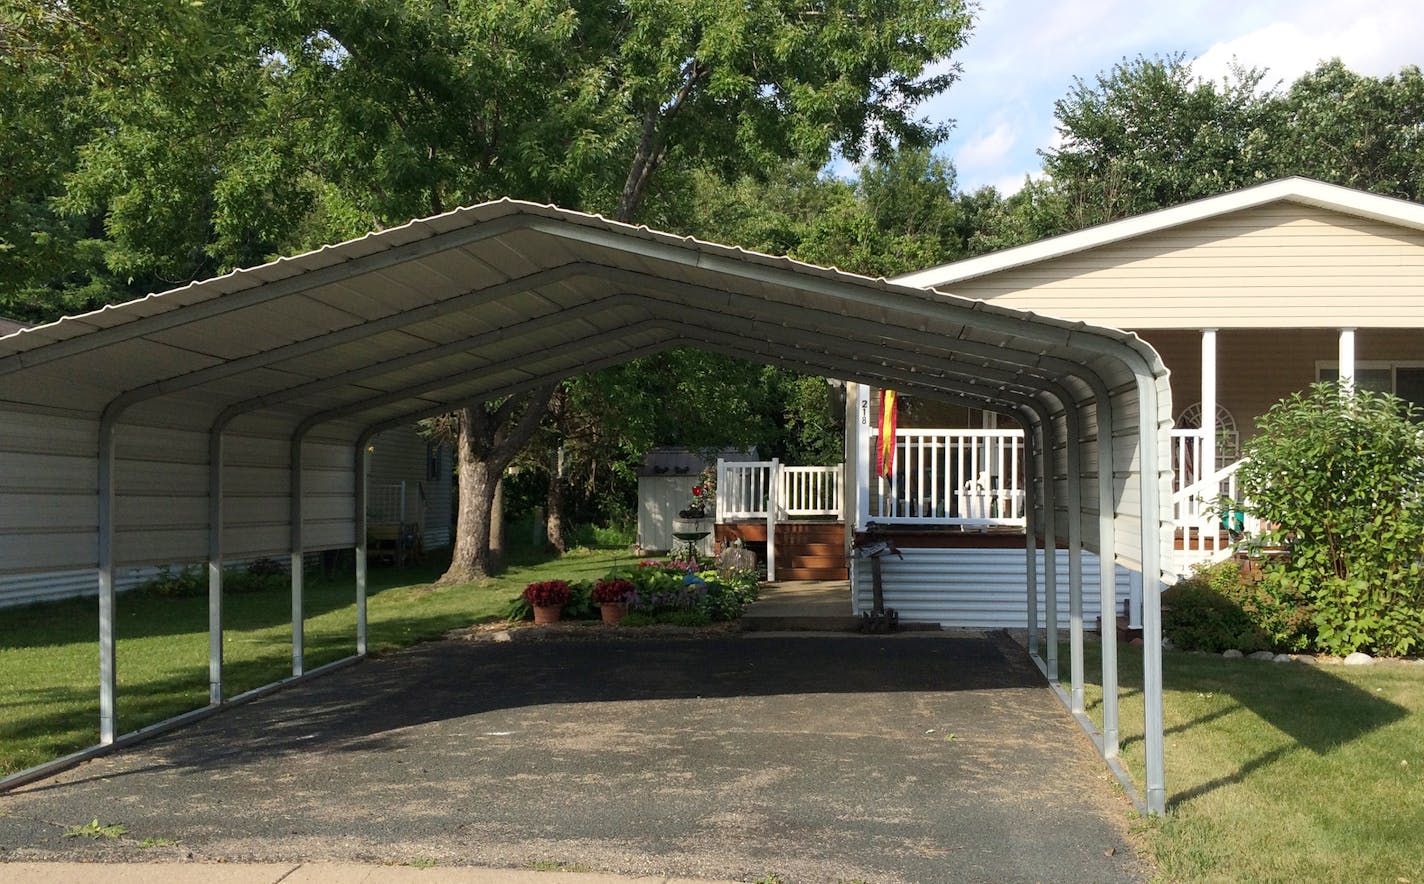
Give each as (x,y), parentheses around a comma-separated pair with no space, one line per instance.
(814,758)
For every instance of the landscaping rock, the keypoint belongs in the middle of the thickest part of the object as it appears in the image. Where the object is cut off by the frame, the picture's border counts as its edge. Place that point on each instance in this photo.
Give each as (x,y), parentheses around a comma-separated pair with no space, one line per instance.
(1167,644)
(1306,659)
(1359,659)
(1283,658)
(1263,655)
(1232,654)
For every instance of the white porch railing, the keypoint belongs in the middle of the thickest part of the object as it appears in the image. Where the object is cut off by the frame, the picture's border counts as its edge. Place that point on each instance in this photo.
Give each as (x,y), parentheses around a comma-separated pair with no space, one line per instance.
(1207,514)
(811,491)
(744,490)
(971,478)
(1187,465)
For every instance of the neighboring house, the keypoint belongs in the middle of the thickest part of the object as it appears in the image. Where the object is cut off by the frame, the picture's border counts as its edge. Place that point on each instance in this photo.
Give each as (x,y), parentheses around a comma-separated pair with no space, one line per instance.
(1248,297)
(409,483)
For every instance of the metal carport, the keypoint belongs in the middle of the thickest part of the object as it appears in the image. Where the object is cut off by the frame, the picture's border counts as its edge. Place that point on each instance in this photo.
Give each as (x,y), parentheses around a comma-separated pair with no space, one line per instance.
(228,419)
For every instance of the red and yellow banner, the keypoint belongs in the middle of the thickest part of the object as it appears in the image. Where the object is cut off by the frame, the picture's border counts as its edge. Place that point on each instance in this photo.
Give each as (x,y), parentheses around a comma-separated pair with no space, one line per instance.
(889,421)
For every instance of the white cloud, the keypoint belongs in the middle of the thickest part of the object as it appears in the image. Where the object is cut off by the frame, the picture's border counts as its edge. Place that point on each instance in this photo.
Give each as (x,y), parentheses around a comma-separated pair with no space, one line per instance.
(1024,54)
(1376,42)
(987,149)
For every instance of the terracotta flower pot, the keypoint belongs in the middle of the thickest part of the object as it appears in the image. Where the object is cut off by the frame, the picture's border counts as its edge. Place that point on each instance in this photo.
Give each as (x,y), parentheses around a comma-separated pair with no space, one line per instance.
(546,615)
(613,612)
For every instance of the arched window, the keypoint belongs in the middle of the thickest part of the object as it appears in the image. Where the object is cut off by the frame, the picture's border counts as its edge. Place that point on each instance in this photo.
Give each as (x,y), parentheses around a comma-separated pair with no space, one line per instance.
(1228,440)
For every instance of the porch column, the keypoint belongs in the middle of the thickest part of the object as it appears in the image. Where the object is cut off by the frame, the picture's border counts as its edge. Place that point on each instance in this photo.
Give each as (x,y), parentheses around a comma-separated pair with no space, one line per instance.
(1347,357)
(1206,457)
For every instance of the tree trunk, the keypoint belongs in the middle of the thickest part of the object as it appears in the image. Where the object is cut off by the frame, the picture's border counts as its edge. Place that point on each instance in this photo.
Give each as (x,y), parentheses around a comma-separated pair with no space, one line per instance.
(496,527)
(487,442)
(554,522)
(471,559)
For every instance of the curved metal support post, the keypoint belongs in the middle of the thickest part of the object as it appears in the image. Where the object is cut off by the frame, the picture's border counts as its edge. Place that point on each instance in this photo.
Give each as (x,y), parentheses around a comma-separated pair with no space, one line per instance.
(1031,525)
(298,565)
(1151,525)
(361,543)
(1075,548)
(215,567)
(108,716)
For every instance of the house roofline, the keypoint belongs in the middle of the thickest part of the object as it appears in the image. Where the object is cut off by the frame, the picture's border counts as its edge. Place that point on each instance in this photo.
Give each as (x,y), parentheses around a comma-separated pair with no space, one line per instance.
(1306,191)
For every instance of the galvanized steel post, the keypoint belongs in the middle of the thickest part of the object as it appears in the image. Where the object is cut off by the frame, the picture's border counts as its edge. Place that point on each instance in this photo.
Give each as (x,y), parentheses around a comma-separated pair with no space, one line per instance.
(215,566)
(298,607)
(1031,531)
(108,718)
(360,527)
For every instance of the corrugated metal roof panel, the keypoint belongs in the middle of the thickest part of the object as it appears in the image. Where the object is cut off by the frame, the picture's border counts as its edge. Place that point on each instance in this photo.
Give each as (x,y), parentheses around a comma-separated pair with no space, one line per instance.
(299,337)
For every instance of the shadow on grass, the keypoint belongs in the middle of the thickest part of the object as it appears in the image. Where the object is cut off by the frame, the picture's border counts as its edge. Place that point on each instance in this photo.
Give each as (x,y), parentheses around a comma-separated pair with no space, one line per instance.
(1318,710)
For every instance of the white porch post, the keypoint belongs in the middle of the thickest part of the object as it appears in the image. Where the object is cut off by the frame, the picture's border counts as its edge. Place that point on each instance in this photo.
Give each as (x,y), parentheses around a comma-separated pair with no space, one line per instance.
(862,456)
(1347,357)
(1206,457)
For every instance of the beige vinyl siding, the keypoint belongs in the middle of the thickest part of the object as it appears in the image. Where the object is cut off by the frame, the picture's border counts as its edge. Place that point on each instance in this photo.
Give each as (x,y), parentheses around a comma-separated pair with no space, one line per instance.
(1285,265)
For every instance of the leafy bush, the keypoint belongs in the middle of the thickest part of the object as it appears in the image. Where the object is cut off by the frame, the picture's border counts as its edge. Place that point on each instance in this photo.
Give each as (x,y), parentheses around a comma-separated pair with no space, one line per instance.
(188,582)
(675,618)
(1339,476)
(579,605)
(1225,606)
(602,537)
(261,575)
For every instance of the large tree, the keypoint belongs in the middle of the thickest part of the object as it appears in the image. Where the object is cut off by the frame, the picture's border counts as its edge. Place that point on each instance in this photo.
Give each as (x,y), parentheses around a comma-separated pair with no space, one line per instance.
(1150,133)
(221,133)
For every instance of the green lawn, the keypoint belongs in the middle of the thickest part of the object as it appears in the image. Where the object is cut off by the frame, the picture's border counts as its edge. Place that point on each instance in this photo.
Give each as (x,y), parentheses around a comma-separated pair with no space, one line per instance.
(1282,772)
(49,653)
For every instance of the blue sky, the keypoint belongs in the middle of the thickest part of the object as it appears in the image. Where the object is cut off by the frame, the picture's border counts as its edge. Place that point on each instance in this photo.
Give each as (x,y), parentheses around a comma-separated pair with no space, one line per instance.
(1024,54)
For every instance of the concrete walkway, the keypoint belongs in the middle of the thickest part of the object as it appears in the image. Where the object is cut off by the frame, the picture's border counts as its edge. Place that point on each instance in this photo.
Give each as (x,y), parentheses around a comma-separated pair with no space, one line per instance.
(889,759)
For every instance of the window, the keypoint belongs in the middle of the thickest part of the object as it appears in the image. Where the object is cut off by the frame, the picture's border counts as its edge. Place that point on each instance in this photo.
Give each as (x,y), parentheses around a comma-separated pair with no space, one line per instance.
(1403,379)
(433,461)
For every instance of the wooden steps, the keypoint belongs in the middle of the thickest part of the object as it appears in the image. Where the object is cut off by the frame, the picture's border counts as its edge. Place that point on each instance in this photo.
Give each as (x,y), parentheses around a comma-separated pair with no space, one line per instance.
(805,550)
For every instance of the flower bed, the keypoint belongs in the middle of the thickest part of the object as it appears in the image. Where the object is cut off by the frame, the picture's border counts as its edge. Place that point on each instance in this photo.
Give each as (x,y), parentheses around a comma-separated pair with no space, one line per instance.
(681,593)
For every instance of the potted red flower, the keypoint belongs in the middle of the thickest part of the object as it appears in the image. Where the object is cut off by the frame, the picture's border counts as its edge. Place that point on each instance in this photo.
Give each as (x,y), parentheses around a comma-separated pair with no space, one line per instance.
(547,599)
(611,596)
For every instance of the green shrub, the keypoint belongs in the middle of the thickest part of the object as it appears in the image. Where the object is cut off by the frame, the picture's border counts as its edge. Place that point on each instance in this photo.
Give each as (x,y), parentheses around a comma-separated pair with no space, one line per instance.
(1339,475)
(675,618)
(601,537)
(188,582)
(1225,606)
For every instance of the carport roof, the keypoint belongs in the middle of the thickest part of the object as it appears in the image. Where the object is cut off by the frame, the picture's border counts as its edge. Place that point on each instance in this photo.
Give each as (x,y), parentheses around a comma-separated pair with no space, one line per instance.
(507,295)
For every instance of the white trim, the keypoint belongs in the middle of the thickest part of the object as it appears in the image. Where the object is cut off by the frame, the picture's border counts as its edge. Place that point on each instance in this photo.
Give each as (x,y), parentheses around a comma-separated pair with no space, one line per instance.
(1306,191)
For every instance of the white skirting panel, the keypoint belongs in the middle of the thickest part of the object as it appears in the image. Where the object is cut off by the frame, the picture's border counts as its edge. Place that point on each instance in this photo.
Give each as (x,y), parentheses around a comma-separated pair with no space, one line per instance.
(980,588)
